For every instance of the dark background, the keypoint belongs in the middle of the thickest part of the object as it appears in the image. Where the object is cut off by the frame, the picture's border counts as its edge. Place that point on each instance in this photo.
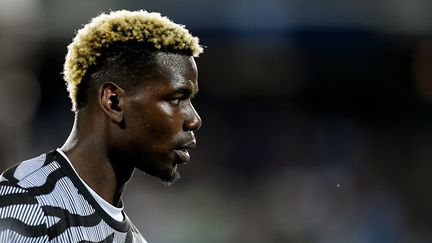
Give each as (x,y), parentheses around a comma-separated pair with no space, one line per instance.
(317,117)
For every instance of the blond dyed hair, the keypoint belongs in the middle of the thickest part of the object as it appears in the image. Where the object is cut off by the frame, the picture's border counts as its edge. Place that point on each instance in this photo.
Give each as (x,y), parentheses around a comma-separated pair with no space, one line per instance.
(122,26)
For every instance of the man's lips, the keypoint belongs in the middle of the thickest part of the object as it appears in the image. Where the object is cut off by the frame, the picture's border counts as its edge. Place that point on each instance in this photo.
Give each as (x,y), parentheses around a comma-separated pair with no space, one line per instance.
(183,153)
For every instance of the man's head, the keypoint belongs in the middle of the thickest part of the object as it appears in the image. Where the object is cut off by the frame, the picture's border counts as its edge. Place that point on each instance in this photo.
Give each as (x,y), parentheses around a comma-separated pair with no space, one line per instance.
(105,35)
(137,71)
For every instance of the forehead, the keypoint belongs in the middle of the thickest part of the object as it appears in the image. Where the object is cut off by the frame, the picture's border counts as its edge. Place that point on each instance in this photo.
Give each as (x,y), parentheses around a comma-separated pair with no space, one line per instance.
(170,73)
(176,67)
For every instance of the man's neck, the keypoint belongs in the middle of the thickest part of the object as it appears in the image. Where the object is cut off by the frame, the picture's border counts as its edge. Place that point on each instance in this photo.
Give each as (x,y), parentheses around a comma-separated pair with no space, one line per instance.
(90,159)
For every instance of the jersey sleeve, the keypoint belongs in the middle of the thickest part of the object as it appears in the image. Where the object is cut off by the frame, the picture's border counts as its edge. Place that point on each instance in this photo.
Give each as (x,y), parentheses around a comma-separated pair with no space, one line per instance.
(21,217)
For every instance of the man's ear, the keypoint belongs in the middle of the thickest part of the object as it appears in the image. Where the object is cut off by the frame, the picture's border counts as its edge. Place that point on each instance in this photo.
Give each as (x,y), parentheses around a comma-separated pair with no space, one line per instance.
(111,100)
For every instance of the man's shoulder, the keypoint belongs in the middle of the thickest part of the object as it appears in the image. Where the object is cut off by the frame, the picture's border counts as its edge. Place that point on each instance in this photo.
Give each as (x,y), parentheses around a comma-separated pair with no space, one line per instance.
(22,170)
(18,206)
(19,186)
(12,194)
(31,173)
(16,200)
(21,216)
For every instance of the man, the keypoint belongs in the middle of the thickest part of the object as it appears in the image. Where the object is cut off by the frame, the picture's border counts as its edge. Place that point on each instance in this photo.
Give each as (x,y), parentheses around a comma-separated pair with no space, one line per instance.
(131,77)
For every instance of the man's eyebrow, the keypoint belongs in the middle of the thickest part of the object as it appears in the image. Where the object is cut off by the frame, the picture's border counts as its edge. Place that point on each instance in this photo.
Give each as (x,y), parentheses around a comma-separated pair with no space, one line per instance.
(187,90)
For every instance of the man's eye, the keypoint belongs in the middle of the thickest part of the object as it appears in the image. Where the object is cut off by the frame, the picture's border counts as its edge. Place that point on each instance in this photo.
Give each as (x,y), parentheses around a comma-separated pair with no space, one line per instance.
(175,101)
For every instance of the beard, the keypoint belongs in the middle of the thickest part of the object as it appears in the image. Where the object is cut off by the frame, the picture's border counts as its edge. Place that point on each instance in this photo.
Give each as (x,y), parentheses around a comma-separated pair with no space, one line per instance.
(167,174)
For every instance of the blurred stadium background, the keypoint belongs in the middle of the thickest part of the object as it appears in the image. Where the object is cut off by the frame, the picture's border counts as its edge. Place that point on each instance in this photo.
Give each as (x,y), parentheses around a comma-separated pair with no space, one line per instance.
(317,117)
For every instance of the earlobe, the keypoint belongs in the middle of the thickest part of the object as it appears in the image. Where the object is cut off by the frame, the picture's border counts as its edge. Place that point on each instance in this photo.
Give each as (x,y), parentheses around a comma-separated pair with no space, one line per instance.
(110,99)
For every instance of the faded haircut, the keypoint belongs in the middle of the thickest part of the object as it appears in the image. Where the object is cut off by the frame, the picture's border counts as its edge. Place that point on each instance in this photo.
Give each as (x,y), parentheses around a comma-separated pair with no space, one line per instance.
(101,43)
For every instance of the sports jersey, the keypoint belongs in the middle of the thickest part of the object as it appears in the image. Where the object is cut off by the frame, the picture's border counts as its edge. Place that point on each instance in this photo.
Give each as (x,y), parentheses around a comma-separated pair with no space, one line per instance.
(44,200)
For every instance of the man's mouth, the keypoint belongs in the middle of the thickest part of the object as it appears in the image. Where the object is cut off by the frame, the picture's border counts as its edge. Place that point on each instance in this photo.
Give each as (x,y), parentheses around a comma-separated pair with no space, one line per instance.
(183,155)
(182,152)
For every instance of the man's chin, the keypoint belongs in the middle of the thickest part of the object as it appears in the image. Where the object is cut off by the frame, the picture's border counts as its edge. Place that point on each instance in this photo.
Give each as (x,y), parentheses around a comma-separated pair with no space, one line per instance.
(166,172)
(167,175)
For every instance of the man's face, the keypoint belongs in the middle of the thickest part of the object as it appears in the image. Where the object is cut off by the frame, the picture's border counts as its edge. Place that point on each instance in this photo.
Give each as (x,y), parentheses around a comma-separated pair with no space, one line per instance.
(159,117)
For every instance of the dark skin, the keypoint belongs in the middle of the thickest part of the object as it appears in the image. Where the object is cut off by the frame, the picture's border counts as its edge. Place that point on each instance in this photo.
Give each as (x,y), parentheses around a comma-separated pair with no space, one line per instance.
(150,127)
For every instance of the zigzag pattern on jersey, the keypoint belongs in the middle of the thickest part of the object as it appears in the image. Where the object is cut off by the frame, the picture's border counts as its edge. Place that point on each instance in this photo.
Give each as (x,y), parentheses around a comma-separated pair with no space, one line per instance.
(42,204)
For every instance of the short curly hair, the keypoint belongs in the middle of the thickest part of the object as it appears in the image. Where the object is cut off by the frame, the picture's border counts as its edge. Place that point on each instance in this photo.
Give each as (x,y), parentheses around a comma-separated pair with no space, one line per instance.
(149,28)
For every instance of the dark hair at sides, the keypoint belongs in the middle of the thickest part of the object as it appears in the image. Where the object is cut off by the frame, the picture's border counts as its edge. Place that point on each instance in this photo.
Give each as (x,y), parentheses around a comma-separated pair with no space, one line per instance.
(125,64)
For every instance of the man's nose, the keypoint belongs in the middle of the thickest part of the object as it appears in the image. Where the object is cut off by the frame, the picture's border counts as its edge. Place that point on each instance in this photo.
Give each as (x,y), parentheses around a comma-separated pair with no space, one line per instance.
(193,121)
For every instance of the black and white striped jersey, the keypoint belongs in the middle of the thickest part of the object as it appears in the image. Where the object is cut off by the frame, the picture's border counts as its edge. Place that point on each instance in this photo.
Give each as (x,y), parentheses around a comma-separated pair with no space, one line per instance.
(43,200)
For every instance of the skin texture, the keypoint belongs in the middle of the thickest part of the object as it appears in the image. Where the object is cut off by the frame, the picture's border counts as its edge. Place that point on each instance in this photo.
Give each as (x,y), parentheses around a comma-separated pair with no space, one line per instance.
(149,127)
